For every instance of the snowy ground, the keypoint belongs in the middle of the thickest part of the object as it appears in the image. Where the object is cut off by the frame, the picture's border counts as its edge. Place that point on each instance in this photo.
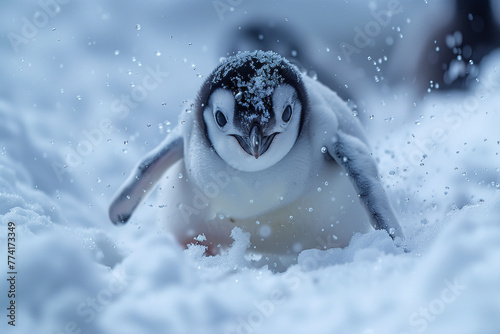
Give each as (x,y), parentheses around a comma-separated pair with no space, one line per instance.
(87,89)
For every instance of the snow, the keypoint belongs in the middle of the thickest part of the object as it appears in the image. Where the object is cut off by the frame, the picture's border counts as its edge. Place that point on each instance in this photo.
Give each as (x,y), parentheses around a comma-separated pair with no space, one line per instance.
(256,90)
(75,117)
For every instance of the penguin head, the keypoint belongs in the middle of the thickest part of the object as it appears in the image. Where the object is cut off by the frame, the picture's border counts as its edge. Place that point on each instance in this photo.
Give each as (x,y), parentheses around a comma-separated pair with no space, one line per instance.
(253,106)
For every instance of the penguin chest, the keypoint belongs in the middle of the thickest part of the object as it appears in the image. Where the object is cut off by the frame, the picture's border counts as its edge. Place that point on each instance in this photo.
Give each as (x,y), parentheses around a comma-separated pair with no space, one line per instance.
(243,195)
(237,194)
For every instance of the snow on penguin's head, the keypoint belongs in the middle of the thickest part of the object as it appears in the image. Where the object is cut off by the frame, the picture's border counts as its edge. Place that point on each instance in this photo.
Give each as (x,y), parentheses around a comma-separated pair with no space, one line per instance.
(253,106)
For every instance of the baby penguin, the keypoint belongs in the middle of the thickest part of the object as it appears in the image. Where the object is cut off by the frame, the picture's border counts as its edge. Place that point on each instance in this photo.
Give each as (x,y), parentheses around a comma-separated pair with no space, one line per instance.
(267,149)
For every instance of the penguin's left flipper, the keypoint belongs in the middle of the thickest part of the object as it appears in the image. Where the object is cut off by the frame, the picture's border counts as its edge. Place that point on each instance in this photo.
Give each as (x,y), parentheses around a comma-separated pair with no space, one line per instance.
(144,176)
(354,156)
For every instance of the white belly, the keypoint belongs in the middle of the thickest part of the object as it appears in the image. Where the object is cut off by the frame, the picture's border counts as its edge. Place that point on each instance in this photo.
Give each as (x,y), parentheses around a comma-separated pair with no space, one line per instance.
(325,216)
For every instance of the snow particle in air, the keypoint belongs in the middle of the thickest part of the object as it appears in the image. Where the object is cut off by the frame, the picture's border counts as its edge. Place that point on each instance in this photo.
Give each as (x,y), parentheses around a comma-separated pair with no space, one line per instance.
(297,247)
(265,231)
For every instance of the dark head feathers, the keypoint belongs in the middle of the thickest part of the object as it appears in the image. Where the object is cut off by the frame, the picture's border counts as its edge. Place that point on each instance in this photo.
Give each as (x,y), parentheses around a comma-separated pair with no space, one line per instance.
(252,77)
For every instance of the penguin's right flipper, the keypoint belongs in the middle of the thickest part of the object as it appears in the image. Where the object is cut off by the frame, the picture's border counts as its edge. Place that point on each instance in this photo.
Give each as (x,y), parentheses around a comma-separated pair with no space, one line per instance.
(144,176)
(354,156)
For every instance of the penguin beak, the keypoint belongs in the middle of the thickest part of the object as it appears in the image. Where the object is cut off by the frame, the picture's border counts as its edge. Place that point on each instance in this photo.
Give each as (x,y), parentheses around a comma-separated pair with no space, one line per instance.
(255,141)
(255,144)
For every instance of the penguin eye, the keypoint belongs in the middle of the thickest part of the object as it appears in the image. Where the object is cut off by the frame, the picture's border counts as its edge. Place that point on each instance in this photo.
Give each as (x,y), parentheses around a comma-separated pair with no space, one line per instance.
(287,114)
(220,119)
